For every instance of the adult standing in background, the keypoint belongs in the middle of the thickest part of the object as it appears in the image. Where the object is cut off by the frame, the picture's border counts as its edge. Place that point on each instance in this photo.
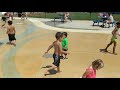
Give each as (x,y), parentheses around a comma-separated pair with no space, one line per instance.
(110,19)
(11,16)
(26,14)
(66,16)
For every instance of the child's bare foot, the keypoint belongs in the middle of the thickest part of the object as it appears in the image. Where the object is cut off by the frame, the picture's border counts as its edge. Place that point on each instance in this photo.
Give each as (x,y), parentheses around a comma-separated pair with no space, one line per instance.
(115,53)
(105,50)
(59,71)
(46,73)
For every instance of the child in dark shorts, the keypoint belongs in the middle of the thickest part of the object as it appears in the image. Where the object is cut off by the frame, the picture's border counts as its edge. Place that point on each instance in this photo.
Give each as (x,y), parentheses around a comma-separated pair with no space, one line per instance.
(11,33)
(11,37)
(57,51)
(56,60)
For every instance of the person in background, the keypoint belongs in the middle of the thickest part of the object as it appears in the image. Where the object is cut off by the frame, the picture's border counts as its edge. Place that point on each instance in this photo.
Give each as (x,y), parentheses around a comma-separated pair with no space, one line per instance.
(4,19)
(110,19)
(113,40)
(100,15)
(11,33)
(66,16)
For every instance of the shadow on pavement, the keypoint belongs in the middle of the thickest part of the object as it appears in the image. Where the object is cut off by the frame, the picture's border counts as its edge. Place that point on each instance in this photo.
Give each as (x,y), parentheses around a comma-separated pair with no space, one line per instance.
(1,43)
(103,51)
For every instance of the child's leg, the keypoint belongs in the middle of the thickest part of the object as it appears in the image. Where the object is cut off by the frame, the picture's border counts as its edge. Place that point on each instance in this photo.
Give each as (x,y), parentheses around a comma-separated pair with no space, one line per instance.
(9,37)
(114,47)
(10,42)
(3,24)
(58,68)
(105,23)
(108,46)
(66,56)
(61,57)
(26,16)
(14,42)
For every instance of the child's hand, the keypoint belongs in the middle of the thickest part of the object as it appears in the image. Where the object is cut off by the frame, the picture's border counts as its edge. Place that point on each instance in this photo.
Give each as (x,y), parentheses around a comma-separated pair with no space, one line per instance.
(46,52)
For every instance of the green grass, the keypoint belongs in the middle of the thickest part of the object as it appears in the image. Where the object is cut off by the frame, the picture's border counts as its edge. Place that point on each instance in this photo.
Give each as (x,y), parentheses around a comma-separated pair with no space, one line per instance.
(44,15)
(75,16)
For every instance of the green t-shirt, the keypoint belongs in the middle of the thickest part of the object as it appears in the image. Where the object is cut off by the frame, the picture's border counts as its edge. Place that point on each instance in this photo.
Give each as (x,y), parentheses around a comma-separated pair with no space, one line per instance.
(65,43)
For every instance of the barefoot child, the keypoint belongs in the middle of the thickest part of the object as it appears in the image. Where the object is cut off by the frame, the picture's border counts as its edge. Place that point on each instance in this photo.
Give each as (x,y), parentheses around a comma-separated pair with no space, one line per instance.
(11,33)
(114,38)
(64,45)
(23,15)
(91,71)
(57,51)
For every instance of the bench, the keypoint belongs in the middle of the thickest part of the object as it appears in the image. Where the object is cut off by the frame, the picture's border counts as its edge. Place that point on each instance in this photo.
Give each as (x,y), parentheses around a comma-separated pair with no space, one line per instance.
(62,18)
(59,17)
(97,21)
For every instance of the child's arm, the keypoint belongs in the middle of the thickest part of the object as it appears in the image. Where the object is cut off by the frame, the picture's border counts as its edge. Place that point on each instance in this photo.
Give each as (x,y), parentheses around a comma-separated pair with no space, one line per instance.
(61,51)
(49,48)
(114,31)
(87,72)
(4,26)
(7,30)
(14,30)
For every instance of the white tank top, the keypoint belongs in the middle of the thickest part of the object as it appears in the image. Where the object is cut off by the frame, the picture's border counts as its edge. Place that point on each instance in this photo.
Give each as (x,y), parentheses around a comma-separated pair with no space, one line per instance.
(10,18)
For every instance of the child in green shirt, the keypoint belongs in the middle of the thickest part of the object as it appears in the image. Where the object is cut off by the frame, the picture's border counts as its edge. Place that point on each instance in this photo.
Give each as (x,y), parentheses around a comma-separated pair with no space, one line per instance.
(115,33)
(64,45)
